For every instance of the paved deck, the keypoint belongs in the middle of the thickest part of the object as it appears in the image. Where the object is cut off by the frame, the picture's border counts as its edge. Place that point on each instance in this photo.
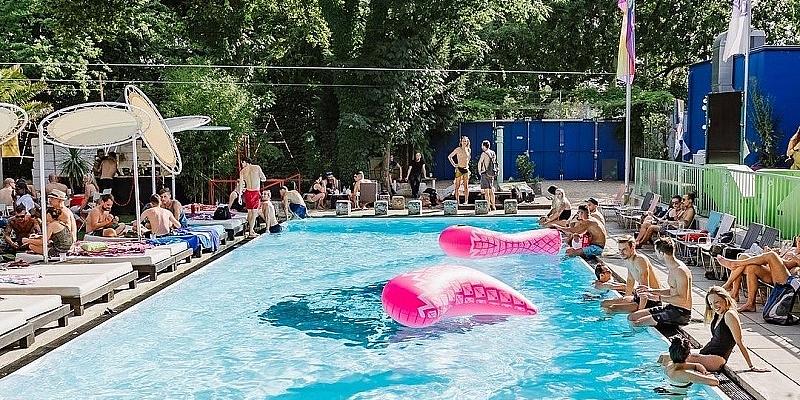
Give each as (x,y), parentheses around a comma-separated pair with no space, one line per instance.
(771,346)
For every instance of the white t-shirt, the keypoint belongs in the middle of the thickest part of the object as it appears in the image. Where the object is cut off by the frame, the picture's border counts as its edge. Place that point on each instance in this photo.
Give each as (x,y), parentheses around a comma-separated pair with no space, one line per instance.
(27,201)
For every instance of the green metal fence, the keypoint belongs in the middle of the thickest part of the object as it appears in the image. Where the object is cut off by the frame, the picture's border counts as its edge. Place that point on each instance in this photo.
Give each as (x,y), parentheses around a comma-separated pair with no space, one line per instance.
(770,197)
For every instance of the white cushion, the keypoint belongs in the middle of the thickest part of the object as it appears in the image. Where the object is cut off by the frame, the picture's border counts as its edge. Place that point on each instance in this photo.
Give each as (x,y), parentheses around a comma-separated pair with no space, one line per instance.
(30,306)
(150,257)
(109,271)
(10,320)
(62,285)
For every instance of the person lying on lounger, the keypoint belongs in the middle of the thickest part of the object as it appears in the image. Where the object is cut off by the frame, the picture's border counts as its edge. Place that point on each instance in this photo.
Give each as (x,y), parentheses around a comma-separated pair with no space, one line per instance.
(159,220)
(100,222)
(682,373)
(768,267)
(58,235)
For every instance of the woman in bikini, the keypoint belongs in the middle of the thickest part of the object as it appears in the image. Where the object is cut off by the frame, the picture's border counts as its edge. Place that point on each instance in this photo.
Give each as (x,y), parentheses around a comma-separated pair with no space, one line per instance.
(462,153)
(58,235)
(317,194)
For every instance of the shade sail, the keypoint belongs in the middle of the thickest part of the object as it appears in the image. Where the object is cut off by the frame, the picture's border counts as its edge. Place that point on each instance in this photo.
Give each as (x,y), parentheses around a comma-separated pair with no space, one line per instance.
(187,123)
(93,125)
(12,121)
(156,136)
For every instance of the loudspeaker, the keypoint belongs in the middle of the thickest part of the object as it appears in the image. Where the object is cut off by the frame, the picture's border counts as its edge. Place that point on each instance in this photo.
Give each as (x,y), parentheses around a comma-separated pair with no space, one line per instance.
(723,136)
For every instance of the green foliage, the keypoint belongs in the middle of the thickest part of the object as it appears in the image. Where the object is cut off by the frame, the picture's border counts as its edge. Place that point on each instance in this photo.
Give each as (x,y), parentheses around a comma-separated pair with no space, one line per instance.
(74,167)
(15,88)
(525,167)
(765,123)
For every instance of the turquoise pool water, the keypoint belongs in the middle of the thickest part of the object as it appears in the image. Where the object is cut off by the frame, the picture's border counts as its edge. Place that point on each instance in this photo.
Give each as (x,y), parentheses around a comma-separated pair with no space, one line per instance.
(298,316)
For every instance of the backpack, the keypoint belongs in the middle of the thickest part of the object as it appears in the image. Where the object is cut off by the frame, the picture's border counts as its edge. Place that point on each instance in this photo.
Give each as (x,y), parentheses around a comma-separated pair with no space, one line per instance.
(491,169)
(222,212)
(778,307)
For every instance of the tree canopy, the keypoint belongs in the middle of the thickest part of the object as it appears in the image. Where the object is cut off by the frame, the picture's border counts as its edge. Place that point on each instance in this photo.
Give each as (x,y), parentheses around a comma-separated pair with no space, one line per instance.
(349,79)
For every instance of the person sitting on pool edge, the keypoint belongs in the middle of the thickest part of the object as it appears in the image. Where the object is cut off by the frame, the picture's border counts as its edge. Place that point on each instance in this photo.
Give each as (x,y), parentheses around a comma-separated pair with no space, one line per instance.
(100,222)
(590,226)
(560,209)
(678,297)
(293,201)
(640,272)
(681,372)
(268,213)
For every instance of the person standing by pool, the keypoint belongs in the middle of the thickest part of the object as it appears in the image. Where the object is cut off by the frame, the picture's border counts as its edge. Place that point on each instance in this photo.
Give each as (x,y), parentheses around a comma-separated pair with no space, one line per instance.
(462,154)
(293,201)
(108,170)
(640,272)
(487,168)
(416,171)
(174,206)
(678,310)
(250,178)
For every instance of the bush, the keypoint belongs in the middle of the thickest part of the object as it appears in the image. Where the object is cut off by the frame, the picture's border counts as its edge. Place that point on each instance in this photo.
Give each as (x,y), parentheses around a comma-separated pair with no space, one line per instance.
(525,168)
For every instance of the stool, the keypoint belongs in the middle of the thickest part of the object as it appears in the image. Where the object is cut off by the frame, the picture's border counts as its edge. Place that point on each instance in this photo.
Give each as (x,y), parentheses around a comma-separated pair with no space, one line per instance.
(510,206)
(398,203)
(450,207)
(343,207)
(481,207)
(414,207)
(381,207)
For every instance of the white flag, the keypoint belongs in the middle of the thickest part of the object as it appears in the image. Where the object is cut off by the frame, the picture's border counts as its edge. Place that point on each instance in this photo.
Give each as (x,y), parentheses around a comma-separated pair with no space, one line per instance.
(678,121)
(738,29)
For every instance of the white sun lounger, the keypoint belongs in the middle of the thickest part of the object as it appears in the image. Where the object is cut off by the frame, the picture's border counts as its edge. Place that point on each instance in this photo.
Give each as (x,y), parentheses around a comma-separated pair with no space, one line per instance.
(233,226)
(14,328)
(38,311)
(76,284)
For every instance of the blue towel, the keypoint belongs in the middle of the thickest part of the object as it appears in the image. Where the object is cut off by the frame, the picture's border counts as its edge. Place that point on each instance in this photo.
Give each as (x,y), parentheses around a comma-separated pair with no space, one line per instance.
(208,235)
(191,241)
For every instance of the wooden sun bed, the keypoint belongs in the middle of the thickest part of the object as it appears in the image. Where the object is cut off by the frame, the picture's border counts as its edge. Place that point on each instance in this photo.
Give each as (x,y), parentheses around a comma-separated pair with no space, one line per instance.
(77,285)
(233,226)
(15,329)
(38,311)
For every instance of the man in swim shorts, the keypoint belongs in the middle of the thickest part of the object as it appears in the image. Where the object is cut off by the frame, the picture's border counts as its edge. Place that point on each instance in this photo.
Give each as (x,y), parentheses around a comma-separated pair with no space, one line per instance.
(678,310)
(250,178)
(640,273)
(586,226)
(293,201)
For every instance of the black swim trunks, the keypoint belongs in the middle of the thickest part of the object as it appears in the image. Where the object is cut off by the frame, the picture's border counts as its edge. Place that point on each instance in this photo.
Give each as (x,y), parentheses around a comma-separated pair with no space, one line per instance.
(275,228)
(565,215)
(650,302)
(671,315)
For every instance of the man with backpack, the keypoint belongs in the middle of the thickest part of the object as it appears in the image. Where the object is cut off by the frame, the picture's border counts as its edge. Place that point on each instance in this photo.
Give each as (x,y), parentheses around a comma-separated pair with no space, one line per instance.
(487,168)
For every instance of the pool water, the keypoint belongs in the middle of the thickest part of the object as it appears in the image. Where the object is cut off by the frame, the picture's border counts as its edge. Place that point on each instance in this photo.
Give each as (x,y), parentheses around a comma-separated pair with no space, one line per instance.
(298,316)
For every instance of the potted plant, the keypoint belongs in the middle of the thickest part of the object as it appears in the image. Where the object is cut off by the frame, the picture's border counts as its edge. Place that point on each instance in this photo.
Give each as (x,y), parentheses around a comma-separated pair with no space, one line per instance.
(74,167)
(526,168)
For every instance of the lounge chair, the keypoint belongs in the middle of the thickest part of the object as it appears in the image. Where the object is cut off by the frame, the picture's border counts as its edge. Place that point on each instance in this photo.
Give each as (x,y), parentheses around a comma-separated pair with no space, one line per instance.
(368,193)
(15,329)
(609,206)
(233,226)
(751,236)
(37,311)
(632,216)
(626,209)
(77,285)
(692,247)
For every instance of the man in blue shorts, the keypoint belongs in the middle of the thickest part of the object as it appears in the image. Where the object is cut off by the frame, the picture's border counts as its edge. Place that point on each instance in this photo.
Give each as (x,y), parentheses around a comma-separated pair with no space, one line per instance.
(293,201)
(590,227)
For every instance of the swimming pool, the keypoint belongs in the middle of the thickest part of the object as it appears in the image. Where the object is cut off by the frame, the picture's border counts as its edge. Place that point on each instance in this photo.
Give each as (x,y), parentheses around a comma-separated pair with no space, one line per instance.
(298,316)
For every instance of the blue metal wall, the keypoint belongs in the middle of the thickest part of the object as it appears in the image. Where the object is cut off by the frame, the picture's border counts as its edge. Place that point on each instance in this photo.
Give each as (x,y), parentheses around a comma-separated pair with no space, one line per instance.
(560,149)
(773,71)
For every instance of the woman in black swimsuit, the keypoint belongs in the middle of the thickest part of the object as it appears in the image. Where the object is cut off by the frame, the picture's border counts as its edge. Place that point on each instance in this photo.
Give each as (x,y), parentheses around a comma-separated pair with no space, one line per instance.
(726,332)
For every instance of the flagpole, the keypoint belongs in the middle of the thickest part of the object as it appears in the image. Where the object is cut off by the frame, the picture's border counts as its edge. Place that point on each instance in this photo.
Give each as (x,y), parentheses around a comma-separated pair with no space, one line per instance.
(627,133)
(743,143)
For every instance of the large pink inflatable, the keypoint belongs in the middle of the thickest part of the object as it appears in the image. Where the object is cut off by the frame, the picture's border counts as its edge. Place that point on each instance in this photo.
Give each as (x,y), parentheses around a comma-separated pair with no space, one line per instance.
(423,297)
(470,242)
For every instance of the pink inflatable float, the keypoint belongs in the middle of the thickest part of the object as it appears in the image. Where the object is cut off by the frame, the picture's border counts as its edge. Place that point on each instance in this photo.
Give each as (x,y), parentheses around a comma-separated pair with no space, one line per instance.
(470,242)
(423,297)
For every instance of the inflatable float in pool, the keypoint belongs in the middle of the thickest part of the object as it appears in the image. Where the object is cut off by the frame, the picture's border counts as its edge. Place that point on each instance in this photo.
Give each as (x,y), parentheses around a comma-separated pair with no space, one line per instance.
(470,242)
(423,297)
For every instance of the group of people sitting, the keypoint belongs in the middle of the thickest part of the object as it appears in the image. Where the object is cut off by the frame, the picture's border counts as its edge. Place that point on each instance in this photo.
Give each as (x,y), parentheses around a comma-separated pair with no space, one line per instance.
(586,230)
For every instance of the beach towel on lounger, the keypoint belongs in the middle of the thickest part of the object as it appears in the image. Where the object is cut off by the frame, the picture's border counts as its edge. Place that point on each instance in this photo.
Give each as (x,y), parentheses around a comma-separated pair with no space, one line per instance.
(19,279)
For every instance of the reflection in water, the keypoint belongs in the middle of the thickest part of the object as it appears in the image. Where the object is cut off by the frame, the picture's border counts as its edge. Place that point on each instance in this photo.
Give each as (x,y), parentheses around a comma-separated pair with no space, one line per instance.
(355,315)
(352,385)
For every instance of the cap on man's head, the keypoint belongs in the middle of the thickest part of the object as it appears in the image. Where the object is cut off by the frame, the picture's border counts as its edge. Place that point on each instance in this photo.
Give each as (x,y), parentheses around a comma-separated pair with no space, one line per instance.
(552,189)
(329,174)
(626,239)
(57,194)
(593,201)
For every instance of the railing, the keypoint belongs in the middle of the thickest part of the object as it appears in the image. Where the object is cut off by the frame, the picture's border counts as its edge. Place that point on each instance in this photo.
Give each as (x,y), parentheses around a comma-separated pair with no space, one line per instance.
(769,197)
(228,185)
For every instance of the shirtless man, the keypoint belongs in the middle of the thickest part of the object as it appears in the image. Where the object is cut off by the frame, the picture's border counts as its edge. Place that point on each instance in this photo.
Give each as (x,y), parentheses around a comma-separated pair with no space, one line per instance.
(268,213)
(100,222)
(250,178)
(53,183)
(640,273)
(590,226)
(174,206)
(293,201)
(678,310)
(56,198)
(108,169)
(7,193)
(592,204)
(462,153)
(159,220)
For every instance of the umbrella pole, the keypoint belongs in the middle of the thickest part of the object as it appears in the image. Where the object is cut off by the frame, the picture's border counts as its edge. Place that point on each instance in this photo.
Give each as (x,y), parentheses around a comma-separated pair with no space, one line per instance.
(136,188)
(43,199)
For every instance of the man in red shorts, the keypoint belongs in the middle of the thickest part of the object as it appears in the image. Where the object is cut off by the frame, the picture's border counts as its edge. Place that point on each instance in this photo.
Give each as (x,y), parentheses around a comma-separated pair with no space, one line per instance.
(250,178)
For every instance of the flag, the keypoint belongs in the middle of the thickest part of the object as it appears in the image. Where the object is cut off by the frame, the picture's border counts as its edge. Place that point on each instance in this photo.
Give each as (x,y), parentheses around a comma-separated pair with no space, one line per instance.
(738,29)
(11,147)
(678,121)
(626,57)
